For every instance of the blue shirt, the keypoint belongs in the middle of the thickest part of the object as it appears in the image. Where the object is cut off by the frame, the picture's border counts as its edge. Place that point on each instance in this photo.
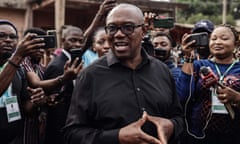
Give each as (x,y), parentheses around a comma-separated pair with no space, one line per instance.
(88,57)
(197,99)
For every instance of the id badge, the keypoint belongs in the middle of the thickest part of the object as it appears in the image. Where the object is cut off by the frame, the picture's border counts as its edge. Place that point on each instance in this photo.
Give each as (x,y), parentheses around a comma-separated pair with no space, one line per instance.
(12,107)
(217,106)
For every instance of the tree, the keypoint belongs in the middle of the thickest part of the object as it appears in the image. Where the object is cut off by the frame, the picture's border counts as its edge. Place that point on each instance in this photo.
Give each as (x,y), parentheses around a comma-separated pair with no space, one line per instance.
(206,9)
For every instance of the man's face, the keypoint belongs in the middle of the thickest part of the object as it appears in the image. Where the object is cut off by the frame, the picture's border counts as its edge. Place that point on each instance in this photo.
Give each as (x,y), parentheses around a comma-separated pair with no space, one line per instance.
(74,39)
(162,43)
(8,41)
(125,46)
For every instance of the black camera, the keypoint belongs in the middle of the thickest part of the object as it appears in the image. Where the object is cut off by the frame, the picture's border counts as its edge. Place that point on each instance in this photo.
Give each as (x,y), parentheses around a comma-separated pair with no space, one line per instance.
(163,22)
(49,40)
(201,39)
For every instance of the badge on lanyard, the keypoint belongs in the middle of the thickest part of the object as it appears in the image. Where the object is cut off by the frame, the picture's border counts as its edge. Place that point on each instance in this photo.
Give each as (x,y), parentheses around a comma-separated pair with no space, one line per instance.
(217,106)
(12,107)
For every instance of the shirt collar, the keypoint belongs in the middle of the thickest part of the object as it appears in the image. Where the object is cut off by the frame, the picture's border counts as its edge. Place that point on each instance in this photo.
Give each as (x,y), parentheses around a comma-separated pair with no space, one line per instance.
(112,59)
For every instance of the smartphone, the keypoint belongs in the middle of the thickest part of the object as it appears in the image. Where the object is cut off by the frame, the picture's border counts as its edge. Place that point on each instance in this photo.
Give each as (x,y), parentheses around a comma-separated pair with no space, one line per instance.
(202,39)
(163,22)
(51,32)
(49,40)
(76,52)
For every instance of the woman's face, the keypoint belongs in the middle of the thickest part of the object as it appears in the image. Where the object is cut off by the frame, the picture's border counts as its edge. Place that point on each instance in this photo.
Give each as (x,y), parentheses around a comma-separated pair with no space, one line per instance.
(222,42)
(101,44)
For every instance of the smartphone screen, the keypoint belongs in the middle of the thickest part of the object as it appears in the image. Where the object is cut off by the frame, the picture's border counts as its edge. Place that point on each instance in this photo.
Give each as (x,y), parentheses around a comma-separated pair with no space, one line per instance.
(49,40)
(164,22)
(76,52)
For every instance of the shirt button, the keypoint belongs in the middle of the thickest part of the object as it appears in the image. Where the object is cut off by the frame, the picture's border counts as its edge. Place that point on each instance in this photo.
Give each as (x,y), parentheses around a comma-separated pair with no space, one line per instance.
(138,89)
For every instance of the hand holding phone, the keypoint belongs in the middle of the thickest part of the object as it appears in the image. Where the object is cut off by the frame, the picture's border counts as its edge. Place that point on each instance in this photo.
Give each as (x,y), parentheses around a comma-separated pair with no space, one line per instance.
(76,53)
(201,39)
(49,40)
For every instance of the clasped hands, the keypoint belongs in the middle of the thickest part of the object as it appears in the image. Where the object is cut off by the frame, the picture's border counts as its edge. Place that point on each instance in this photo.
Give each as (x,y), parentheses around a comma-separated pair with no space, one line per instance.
(133,133)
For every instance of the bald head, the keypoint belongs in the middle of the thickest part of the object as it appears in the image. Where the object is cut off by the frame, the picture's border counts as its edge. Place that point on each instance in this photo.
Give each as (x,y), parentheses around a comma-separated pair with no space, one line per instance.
(132,10)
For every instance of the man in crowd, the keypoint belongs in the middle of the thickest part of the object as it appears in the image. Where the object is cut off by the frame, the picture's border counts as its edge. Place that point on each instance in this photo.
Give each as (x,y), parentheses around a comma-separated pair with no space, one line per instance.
(14,98)
(72,38)
(163,45)
(121,98)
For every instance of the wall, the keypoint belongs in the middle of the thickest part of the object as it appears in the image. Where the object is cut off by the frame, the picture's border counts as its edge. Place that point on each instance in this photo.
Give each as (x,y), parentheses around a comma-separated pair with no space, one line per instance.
(15,16)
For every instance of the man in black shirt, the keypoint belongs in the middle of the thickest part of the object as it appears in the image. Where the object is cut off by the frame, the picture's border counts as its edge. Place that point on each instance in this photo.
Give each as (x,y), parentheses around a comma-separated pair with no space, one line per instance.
(127,96)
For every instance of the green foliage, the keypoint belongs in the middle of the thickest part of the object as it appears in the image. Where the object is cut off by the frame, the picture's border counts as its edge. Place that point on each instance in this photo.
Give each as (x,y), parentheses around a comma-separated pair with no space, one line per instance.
(205,9)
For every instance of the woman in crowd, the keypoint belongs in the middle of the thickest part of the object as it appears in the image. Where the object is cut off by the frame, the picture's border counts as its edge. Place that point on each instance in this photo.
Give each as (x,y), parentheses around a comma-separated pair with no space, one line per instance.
(209,90)
(100,42)
(100,46)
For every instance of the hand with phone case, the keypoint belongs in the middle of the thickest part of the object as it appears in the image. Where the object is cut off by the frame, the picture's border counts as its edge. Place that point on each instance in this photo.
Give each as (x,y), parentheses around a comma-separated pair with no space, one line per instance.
(192,41)
(49,40)
(76,53)
(201,39)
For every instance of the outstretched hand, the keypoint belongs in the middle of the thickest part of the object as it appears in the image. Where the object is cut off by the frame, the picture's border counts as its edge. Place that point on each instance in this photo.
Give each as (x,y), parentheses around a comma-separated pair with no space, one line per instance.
(71,70)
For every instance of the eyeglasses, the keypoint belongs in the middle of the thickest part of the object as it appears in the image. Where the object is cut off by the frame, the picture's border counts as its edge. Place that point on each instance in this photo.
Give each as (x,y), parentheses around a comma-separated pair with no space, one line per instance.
(127,29)
(4,36)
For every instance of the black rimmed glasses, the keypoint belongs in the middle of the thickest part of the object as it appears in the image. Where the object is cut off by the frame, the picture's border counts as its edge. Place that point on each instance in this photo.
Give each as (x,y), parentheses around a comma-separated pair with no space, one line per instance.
(4,36)
(127,29)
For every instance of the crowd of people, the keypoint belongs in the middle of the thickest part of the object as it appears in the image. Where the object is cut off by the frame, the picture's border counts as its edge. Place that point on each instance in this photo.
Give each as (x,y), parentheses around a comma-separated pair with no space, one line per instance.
(120,82)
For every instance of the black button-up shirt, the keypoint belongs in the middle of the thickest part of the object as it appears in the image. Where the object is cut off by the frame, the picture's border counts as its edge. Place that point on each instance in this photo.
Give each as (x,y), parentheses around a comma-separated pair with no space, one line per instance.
(109,96)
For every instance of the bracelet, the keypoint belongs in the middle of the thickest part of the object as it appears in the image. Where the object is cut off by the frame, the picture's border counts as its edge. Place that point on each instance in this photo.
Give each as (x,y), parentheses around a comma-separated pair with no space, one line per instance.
(13,64)
(188,60)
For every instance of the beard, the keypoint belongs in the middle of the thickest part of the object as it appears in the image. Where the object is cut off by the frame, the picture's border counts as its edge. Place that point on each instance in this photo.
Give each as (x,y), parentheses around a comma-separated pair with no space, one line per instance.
(5,55)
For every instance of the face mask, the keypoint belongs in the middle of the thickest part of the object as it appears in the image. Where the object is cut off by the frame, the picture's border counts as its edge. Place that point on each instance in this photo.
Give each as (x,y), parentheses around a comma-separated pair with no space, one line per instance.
(161,54)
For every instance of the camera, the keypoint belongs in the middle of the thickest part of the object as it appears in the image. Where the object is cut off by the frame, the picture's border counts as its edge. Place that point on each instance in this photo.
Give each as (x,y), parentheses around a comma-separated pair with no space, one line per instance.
(49,40)
(163,22)
(201,39)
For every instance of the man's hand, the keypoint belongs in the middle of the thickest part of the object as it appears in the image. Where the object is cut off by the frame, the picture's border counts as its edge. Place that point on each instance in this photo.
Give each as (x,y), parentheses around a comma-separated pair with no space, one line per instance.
(106,6)
(148,20)
(37,96)
(71,70)
(133,134)
(164,127)
(29,45)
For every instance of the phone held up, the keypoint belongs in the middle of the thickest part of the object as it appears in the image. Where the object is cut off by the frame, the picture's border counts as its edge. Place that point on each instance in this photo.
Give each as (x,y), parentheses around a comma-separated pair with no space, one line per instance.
(76,53)
(167,22)
(201,39)
(49,40)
